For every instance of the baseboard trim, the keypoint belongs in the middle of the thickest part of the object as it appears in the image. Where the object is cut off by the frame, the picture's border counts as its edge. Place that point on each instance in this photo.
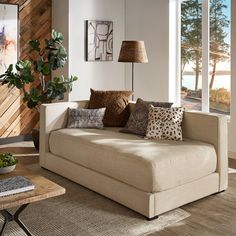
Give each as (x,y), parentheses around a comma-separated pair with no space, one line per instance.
(232,155)
(16,139)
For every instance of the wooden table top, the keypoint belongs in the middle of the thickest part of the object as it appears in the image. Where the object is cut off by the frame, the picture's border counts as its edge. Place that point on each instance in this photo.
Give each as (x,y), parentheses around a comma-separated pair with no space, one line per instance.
(44,189)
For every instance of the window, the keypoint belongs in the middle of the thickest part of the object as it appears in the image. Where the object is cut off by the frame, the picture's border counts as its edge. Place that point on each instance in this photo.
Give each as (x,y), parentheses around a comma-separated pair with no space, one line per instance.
(205,76)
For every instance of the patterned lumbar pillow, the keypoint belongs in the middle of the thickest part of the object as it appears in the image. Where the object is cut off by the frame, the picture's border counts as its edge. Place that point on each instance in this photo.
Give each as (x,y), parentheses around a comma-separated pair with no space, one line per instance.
(138,119)
(165,123)
(86,118)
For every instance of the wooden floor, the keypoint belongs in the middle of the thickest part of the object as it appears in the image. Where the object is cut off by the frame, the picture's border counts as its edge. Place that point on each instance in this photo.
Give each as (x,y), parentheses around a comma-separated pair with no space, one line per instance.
(212,216)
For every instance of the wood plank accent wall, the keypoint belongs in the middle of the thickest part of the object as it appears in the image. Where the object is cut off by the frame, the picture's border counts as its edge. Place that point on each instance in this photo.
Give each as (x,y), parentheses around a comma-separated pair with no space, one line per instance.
(35,22)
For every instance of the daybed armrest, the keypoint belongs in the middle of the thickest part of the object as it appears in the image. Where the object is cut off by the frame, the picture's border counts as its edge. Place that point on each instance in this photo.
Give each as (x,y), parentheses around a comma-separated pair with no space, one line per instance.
(52,117)
(210,128)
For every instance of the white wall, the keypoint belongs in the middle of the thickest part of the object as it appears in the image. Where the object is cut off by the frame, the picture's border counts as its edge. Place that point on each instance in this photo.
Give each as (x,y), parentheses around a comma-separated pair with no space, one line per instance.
(232,125)
(68,17)
(148,20)
(61,8)
(97,75)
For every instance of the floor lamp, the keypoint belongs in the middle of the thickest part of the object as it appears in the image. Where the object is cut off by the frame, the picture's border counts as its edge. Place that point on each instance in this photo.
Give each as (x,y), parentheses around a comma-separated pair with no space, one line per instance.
(134,52)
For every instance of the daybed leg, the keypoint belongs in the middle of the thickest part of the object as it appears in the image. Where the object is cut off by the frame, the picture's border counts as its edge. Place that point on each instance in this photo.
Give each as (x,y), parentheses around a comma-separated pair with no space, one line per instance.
(153,218)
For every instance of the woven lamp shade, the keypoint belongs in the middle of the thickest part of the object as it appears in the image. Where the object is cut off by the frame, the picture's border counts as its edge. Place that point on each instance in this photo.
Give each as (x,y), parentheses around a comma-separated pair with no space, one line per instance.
(133,51)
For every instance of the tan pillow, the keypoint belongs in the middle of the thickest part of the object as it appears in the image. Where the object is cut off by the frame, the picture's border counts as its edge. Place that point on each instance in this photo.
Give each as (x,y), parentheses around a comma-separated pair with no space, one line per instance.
(116,104)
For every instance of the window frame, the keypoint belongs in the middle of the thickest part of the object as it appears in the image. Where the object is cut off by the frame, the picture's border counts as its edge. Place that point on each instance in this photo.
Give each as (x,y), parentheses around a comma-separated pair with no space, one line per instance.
(205,101)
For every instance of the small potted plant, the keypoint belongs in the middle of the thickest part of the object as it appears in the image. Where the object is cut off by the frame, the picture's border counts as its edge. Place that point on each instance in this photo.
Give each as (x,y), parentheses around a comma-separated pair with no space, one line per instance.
(32,76)
(7,163)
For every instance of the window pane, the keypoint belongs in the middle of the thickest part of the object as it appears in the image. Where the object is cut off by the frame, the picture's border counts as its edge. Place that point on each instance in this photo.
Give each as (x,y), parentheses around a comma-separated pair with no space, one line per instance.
(191,54)
(219,83)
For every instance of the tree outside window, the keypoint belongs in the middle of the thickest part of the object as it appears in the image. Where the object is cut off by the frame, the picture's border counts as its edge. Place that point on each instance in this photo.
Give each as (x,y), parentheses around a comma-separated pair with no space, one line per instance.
(191,55)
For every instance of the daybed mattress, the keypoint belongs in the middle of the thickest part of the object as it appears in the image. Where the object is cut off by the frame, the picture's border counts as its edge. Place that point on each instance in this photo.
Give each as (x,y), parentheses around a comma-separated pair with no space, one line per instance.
(148,165)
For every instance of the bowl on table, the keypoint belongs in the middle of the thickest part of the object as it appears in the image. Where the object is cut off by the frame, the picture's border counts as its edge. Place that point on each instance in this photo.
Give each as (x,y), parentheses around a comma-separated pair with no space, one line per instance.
(7,163)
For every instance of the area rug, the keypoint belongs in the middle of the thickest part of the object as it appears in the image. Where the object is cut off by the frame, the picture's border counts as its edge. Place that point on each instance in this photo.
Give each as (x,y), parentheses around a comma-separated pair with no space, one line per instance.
(81,212)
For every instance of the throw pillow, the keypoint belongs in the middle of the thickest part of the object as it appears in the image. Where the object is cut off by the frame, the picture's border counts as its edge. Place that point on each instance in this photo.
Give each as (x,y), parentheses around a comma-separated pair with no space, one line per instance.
(138,119)
(165,123)
(86,118)
(116,103)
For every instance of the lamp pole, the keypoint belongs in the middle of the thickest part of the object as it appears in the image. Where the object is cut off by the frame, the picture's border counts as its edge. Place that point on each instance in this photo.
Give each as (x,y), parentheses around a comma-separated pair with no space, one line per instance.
(133,81)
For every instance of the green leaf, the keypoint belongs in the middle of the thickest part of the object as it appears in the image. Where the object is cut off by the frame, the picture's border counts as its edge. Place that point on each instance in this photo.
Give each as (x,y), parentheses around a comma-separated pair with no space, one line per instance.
(31,104)
(18,83)
(22,65)
(57,36)
(32,98)
(57,58)
(38,65)
(2,76)
(35,45)
(56,79)
(9,69)
(74,78)
(34,94)
(46,69)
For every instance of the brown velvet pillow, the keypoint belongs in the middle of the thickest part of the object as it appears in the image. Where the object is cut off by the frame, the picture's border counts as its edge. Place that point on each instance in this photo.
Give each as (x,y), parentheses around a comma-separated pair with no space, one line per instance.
(138,120)
(116,103)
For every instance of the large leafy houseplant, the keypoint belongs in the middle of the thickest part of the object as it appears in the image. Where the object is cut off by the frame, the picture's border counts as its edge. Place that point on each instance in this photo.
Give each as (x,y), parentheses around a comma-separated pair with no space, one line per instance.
(32,76)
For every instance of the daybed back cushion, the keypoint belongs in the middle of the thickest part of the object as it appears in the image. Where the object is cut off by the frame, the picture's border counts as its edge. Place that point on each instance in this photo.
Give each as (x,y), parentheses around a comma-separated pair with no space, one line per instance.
(116,104)
(138,119)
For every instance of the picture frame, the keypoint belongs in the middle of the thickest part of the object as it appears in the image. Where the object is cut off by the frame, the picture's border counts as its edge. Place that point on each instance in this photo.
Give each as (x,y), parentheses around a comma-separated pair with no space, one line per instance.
(99,40)
(9,35)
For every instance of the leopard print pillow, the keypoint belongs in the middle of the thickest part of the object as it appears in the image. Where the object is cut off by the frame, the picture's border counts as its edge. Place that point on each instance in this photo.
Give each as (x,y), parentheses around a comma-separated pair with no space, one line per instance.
(165,123)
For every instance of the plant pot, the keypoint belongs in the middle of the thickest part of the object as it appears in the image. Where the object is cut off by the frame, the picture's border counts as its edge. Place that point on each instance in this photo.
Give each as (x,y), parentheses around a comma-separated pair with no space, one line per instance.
(35,137)
(7,169)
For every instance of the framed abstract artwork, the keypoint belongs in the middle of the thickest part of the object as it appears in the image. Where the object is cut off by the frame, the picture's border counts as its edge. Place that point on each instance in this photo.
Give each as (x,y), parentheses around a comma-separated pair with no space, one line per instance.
(99,40)
(9,18)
